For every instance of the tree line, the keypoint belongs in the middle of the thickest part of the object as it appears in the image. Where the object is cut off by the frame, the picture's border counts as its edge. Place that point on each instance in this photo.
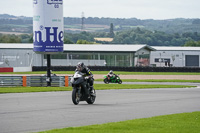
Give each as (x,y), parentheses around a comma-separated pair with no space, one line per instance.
(132,36)
(154,38)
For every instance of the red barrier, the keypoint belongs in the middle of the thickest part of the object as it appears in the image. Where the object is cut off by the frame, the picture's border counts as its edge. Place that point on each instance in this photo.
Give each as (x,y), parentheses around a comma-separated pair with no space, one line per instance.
(6,69)
(66,81)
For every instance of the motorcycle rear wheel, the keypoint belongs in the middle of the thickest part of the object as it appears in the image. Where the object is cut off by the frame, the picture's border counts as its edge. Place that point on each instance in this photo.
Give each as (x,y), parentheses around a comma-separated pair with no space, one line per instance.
(92,98)
(75,96)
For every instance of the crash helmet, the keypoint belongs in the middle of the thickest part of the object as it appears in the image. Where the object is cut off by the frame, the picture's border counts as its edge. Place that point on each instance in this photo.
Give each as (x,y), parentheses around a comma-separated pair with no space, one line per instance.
(111,72)
(80,66)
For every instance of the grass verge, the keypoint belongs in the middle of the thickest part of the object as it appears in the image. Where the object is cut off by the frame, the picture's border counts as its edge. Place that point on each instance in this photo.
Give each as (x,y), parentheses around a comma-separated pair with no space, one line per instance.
(156,80)
(176,123)
(96,86)
(32,89)
(135,86)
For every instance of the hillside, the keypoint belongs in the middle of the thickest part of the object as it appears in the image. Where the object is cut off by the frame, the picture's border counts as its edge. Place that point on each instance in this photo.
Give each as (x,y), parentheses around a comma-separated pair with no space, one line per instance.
(171,32)
(22,24)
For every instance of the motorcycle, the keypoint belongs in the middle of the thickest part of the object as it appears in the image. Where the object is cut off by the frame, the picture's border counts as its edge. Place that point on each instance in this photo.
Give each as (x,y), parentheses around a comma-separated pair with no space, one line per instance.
(113,79)
(78,82)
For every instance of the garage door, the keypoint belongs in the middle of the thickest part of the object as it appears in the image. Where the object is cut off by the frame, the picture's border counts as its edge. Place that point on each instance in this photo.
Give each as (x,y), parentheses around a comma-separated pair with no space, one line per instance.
(192,60)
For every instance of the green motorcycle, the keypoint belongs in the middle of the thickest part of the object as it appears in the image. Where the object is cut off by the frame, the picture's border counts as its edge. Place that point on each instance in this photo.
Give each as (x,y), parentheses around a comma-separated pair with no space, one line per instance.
(113,79)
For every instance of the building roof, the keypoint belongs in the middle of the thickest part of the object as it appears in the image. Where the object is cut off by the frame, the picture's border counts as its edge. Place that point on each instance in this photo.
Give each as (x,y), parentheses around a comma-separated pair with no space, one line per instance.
(82,47)
(102,47)
(176,48)
(105,48)
(16,45)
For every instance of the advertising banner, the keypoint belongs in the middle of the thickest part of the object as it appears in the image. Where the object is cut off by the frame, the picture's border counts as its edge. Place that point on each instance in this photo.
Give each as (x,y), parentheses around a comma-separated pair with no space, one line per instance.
(48,26)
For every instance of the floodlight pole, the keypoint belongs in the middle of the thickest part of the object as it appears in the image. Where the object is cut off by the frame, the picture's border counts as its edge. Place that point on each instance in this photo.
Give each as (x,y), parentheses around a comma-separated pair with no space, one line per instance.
(48,70)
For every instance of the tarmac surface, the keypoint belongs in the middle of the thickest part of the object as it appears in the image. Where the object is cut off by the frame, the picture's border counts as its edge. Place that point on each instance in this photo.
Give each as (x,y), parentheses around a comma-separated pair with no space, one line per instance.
(32,112)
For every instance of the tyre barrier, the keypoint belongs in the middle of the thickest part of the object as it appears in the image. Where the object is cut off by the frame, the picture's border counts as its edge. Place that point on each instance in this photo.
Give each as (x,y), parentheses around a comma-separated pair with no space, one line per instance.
(129,69)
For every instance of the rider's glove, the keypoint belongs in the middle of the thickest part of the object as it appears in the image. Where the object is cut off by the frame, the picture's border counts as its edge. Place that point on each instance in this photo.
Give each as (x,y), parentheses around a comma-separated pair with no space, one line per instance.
(87,77)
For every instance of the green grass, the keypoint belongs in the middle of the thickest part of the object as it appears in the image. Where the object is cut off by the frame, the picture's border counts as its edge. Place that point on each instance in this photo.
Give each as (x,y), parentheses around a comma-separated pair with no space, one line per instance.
(106,72)
(135,86)
(156,80)
(96,86)
(176,123)
(32,89)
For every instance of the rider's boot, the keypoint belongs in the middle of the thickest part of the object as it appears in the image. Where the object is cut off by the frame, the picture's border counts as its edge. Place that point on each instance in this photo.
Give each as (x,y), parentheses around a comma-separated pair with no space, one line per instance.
(92,91)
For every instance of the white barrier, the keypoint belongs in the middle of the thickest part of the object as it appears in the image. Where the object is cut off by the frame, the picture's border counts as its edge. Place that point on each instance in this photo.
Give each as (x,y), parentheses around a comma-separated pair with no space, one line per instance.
(22,69)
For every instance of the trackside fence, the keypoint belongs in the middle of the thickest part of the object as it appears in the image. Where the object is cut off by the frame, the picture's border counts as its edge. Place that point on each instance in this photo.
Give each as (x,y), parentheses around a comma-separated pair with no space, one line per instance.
(34,81)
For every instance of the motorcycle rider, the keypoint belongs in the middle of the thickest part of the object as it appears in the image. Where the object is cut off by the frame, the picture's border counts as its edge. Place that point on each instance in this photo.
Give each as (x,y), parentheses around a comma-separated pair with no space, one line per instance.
(86,71)
(111,75)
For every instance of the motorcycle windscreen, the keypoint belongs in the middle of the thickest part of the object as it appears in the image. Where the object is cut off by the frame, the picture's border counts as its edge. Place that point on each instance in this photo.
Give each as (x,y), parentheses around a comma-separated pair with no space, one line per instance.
(78,80)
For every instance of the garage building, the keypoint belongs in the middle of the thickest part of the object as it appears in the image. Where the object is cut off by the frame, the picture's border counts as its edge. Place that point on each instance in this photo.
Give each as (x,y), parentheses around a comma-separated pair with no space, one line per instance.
(22,55)
(175,56)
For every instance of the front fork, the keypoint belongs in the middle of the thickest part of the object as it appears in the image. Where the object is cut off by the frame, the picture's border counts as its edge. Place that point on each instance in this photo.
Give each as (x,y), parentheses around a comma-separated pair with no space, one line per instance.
(78,91)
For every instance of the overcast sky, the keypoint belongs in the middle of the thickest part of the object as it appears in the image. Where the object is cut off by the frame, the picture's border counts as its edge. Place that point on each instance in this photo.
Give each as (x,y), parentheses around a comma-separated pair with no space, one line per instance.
(141,9)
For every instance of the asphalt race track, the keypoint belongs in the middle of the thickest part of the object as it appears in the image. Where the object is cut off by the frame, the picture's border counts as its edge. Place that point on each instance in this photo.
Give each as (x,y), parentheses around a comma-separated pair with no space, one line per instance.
(32,112)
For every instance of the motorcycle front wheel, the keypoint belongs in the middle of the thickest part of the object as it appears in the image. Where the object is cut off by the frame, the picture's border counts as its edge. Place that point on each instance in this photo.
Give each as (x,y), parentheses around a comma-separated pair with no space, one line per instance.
(75,96)
(106,81)
(120,81)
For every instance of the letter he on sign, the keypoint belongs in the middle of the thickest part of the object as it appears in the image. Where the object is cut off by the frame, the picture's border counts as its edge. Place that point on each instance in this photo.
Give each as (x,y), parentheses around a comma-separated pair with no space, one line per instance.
(48,26)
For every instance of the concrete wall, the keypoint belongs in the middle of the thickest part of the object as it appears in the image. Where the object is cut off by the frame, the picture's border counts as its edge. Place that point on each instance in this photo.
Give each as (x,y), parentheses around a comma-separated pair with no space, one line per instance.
(22,69)
(15,69)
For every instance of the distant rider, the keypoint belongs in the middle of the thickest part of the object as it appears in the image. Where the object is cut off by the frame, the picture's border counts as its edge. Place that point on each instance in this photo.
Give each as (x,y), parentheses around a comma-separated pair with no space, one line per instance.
(111,75)
(86,71)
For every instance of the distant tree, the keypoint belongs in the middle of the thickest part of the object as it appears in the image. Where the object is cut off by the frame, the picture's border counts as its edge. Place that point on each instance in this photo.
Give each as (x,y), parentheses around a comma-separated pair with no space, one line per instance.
(138,30)
(10,39)
(67,41)
(112,30)
(31,39)
(26,38)
(83,42)
(79,36)
(192,44)
(156,38)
